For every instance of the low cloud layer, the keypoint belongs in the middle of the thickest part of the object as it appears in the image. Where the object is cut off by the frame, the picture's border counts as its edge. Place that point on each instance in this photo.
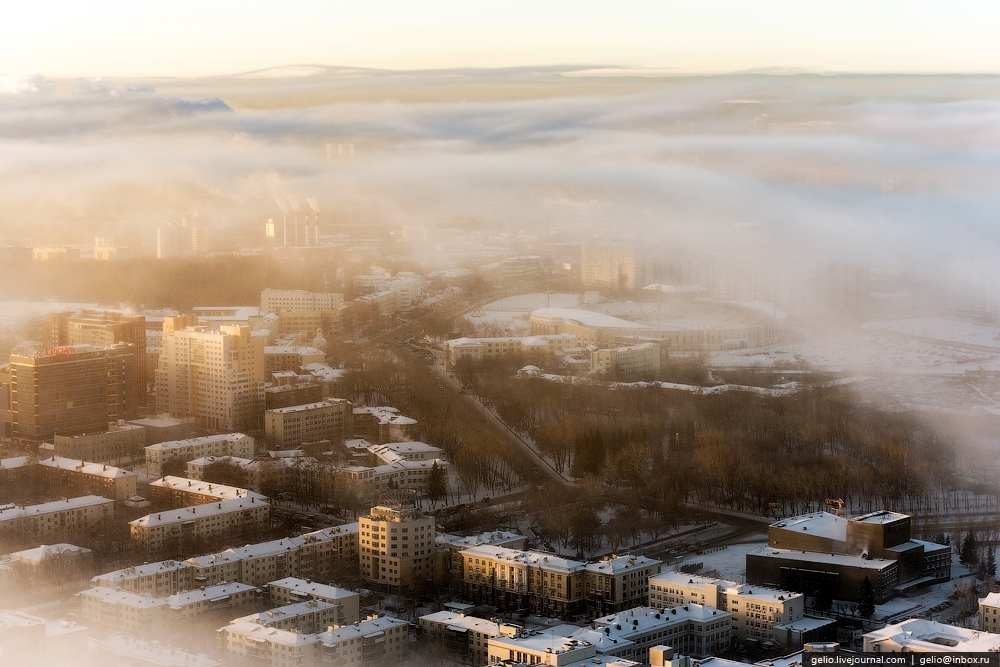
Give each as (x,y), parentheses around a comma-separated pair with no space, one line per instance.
(880,169)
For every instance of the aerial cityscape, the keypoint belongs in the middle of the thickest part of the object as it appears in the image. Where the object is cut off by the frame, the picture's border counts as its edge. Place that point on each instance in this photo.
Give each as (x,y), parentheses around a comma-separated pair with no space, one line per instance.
(648,335)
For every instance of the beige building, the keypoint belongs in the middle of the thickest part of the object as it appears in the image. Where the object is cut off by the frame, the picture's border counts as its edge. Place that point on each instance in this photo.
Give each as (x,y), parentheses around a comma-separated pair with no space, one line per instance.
(120,441)
(397,547)
(181,492)
(292,590)
(131,612)
(468,636)
(50,563)
(94,478)
(380,640)
(278,358)
(454,545)
(307,617)
(280,301)
(630,361)
(60,521)
(989,613)
(183,528)
(330,419)
(231,596)
(217,377)
(755,609)
(545,347)
(159,579)
(316,555)
(693,630)
(224,444)
(383,424)
(545,584)
(619,582)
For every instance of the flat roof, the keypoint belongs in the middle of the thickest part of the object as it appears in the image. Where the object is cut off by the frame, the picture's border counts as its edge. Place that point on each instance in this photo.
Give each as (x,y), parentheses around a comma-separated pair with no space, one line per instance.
(312,588)
(621,564)
(828,559)
(821,524)
(530,558)
(177,444)
(198,512)
(97,469)
(881,516)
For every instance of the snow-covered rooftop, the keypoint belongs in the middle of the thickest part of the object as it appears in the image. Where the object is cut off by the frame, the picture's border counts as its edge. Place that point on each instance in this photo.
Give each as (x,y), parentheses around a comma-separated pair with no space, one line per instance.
(822,524)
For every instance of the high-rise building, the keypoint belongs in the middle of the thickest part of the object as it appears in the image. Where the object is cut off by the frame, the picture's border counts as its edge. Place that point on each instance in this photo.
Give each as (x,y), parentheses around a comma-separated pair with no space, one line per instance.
(397,546)
(72,389)
(216,377)
(101,328)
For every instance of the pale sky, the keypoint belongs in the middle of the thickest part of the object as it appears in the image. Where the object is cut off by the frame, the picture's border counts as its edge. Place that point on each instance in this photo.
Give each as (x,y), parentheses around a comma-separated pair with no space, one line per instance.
(60,38)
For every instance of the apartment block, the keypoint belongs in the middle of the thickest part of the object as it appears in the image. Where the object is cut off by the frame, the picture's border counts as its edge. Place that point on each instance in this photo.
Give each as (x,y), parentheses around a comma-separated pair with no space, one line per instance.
(67,520)
(397,547)
(292,590)
(182,492)
(619,582)
(383,424)
(226,444)
(215,376)
(315,555)
(756,610)
(467,636)
(545,584)
(120,441)
(380,640)
(331,419)
(131,612)
(989,613)
(99,479)
(184,528)
(307,617)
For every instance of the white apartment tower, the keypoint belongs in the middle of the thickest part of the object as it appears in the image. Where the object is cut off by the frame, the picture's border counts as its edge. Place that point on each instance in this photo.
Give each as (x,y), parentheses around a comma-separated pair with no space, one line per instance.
(215,376)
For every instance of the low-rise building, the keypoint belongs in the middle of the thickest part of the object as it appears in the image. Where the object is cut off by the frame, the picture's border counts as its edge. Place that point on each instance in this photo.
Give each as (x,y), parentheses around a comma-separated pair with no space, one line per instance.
(823,553)
(314,555)
(467,636)
(181,492)
(159,579)
(383,424)
(694,630)
(379,640)
(291,590)
(121,441)
(30,641)
(95,478)
(919,635)
(225,444)
(619,582)
(131,612)
(290,357)
(60,521)
(330,419)
(53,563)
(989,613)
(540,648)
(307,617)
(454,545)
(755,610)
(544,584)
(228,597)
(184,528)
